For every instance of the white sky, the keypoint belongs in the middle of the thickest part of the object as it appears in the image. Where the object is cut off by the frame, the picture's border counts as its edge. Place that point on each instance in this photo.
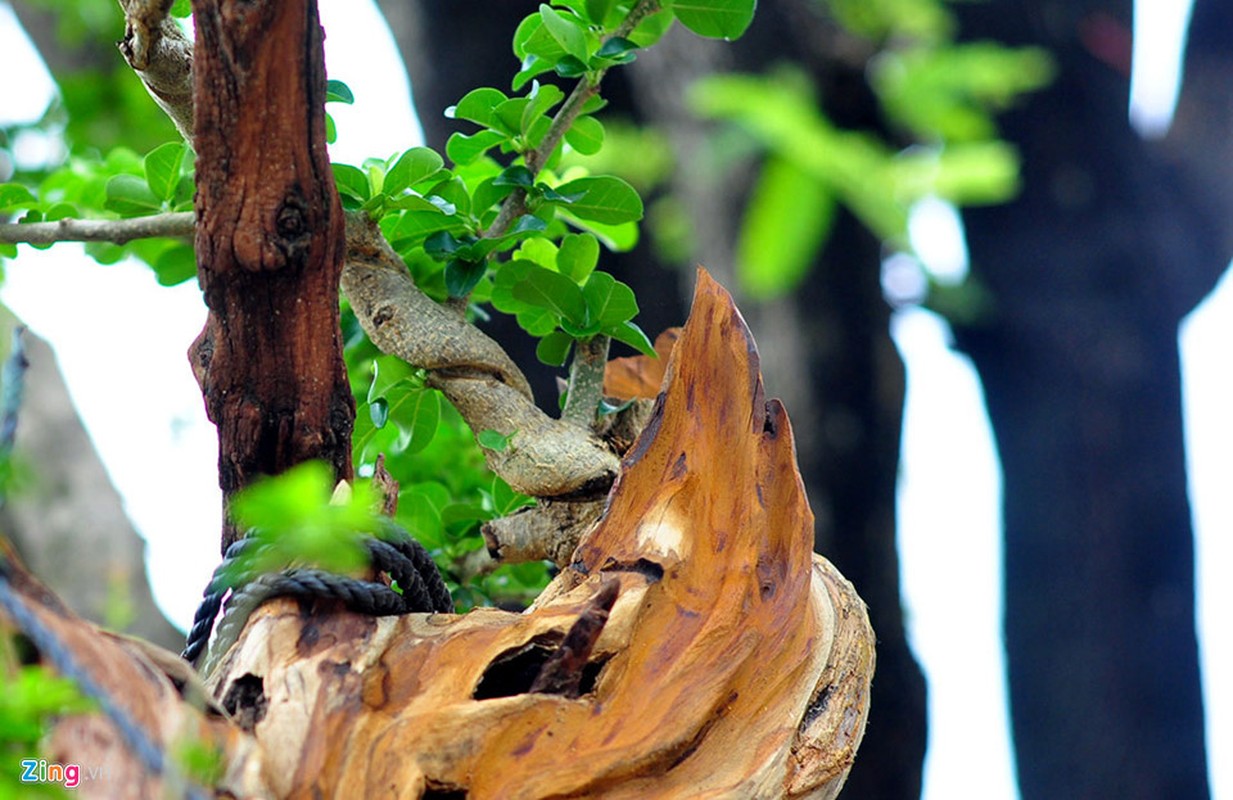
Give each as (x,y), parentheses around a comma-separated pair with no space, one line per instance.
(949,489)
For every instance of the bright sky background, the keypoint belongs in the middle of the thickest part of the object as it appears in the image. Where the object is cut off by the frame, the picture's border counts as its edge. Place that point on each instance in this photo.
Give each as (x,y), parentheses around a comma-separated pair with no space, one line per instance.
(950,482)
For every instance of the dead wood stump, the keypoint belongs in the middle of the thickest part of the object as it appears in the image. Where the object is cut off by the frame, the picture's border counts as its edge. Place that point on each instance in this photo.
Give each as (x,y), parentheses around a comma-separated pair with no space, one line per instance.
(695,647)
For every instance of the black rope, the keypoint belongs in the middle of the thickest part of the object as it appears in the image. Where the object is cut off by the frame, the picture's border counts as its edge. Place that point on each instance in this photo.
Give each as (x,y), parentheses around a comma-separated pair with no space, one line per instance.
(394,552)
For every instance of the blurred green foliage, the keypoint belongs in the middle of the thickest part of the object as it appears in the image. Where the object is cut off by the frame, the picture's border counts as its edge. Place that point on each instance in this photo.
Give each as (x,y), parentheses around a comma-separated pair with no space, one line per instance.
(939,99)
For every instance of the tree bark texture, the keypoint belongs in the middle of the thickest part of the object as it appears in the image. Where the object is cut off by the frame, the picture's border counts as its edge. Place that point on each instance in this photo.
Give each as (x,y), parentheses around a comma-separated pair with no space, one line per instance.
(270,243)
(827,350)
(694,647)
(1111,242)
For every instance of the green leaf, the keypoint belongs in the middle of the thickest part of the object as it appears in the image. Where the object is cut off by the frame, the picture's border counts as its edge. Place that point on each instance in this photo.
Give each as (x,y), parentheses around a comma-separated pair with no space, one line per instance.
(176,265)
(493,440)
(617,238)
(130,196)
(578,255)
(597,10)
(417,413)
(545,288)
(461,276)
(351,182)
(785,225)
(586,135)
(652,28)
(338,92)
(543,97)
(15,196)
(536,49)
(414,226)
(617,49)
(570,67)
(388,372)
(162,167)
(517,175)
(609,302)
(604,198)
(465,148)
(413,166)
(478,105)
(632,335)
(567,29)
(716,19)
(553,349)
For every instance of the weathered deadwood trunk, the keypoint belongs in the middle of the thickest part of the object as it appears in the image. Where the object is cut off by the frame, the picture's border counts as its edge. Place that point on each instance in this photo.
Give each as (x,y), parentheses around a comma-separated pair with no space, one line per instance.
(694,647)
(270,243)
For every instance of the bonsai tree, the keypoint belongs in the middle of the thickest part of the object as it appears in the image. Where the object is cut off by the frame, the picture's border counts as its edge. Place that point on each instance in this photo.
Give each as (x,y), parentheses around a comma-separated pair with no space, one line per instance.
(689,642)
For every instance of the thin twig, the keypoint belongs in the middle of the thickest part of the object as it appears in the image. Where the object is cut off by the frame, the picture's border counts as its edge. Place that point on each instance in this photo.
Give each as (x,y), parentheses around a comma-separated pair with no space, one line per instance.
(178,224)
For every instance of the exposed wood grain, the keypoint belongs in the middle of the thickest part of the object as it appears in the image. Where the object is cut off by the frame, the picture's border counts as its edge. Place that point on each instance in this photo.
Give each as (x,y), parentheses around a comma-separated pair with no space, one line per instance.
(733,662)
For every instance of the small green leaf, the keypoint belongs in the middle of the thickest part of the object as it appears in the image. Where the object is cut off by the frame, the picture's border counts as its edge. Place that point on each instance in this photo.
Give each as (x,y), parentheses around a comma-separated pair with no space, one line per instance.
(461,276)
(465,148)
(388,372)
(586,135)
(417,415)
(716,19)
(609,302)
(517,175)
(478,105)
(578,255)
(545,288)
(162,168)
(604,198)
(567,29)
(413,166)
(130,196)
(493,440)
(632,335)
(570,67)
(338,92)
(616,47)
(543,97)
(597,10)
(176,265)
(16,196)
(351,182)
(553,349)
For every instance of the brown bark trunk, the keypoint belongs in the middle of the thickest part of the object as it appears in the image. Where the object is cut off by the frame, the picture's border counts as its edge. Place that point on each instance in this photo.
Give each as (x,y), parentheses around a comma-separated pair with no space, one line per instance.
(269,244)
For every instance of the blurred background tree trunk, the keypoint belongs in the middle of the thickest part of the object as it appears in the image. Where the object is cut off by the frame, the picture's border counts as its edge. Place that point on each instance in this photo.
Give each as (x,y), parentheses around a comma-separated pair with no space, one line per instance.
(1090,270)
(826,351)
(66,519)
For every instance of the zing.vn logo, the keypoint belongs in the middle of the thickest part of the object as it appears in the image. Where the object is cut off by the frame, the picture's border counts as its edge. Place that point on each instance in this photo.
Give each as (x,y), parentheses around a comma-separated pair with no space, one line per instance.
(40,771)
